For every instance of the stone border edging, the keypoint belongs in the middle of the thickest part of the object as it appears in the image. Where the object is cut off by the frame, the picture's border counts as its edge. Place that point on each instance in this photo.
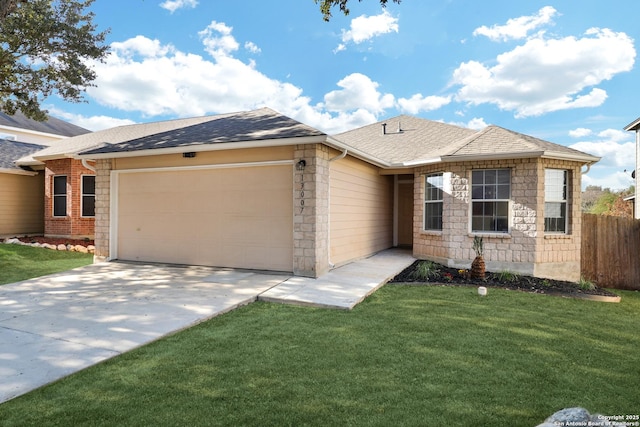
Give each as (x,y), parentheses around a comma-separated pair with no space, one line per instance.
(89,249)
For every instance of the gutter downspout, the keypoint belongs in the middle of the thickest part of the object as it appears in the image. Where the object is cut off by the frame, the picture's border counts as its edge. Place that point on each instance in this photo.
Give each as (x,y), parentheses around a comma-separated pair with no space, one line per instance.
(338,157)
(88,166)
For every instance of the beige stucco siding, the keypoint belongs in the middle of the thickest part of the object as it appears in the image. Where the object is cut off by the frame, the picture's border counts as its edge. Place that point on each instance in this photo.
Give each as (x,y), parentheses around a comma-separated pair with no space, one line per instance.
(361,210)
(21,204)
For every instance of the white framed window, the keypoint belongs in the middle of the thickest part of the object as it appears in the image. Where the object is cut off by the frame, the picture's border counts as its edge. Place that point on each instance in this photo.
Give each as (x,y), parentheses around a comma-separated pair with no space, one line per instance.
(490,195)
(555,201)
(59,195)
(88,196)
(433,201)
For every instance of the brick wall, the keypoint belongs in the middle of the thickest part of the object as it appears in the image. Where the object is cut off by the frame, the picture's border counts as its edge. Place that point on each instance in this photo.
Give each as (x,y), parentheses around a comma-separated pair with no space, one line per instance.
(526,248)
(73,225)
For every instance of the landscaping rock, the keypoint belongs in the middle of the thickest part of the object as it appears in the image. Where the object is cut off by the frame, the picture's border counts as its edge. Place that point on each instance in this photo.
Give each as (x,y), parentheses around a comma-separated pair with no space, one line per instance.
(91,249)
(577,417)
(81,249)
(61,247)
(49,246)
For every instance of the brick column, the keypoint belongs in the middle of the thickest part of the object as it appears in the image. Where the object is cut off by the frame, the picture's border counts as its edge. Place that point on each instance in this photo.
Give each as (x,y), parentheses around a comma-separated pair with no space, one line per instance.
(103,210)
(311,211)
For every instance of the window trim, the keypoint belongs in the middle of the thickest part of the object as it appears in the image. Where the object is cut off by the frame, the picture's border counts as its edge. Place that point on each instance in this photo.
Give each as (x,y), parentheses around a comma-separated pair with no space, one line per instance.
(434,201)
(565,202)
(495,200)
(55,196)
(83,195)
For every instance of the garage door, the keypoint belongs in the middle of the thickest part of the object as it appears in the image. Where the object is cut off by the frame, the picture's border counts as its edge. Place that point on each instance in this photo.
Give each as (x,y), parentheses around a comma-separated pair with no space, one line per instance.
(239,217)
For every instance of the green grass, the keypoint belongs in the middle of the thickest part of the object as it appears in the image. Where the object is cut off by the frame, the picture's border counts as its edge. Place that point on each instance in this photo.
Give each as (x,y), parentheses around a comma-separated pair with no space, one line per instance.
(19,262)
(408,355)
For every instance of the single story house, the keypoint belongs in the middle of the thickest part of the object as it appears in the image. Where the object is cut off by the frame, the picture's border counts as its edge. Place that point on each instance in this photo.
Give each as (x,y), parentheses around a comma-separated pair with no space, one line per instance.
(22,184)
(260,190)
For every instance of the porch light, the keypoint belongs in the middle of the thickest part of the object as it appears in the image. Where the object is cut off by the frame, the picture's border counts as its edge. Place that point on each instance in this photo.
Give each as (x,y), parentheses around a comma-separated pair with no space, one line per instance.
(302,163)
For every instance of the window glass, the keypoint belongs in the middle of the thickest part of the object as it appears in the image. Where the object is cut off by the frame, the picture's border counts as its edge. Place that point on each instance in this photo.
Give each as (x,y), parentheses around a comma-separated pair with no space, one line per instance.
(88,195)
(433,201)
(490,194)
(59,196)
(555,197)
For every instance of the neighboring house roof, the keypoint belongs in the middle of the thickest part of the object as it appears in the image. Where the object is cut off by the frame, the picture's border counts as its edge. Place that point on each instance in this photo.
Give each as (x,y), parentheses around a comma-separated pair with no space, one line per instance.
(248,126)
(412,141)
(634,125)
(10,151)
(51,126)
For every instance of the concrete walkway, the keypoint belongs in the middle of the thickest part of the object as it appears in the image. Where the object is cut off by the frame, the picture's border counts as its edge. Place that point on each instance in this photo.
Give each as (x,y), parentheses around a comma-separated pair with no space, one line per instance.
(56,325)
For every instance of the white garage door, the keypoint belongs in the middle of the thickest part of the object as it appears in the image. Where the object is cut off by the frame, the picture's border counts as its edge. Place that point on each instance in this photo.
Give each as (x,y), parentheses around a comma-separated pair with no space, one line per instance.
(239,217)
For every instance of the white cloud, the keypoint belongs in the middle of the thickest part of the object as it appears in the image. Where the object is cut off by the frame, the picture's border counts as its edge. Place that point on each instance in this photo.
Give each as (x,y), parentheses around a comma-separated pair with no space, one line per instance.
(614,154)
(365,28)
(517,28)
(147,77)
(580,133)
(477,124)
(358,91)
(418,103)
(92,123)
(173,5)
(218,40)
(252,47)
(545,75)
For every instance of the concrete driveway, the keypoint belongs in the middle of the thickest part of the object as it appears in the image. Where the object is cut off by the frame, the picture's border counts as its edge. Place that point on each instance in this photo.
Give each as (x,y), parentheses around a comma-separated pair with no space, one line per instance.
(53,326)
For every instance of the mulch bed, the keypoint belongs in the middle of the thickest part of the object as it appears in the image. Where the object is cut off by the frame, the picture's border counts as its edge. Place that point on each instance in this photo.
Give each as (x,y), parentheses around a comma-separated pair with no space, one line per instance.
(451,276)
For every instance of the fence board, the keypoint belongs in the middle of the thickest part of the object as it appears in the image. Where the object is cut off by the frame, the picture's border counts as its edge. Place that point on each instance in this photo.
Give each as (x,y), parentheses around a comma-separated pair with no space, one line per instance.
(610,253)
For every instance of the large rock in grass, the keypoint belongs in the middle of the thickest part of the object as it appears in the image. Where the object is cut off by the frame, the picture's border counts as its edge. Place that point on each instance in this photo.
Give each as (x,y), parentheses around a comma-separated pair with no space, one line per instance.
(578,417)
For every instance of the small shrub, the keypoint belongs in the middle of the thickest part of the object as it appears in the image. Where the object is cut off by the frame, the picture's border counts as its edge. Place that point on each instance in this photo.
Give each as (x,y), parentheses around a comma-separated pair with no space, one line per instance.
(546,283)
(507,276)
(586,284)
(426,270)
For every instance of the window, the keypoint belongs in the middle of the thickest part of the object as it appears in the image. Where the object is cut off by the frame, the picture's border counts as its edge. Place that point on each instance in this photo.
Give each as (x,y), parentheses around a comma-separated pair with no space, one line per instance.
(88,195)
(433,202)
(490,193)
(555,200)
(60,195)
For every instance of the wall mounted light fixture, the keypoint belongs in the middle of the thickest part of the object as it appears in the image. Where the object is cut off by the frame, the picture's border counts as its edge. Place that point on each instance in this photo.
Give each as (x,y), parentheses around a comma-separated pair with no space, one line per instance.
(302,163)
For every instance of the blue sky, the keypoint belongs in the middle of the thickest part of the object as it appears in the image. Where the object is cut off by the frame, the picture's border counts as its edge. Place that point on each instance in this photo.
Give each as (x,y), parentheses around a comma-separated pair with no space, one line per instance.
(562,70)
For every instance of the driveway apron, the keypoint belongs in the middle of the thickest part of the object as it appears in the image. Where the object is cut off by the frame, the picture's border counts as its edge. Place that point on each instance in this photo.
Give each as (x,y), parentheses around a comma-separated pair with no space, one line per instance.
(55,325)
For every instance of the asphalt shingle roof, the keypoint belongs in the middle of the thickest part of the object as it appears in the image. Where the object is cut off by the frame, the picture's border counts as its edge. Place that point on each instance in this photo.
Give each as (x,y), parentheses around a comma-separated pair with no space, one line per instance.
(51,125)
(256,125)
(411,140)
(10,151)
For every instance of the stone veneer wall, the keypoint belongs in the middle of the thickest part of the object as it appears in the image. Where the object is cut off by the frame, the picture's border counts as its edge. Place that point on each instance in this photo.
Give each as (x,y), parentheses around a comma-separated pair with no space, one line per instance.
(73,225)
(525,249)
(311,211)
(103,211)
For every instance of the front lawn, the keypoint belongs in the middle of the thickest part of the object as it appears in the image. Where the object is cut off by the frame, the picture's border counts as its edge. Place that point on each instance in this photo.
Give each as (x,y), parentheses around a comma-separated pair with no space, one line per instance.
(19,262)
(408,355)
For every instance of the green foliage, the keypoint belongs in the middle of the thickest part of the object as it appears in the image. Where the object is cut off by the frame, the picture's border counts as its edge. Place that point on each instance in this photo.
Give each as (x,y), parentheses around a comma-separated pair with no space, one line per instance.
(45,49)
(586,284)
(508,276)
(478,246)
(426,270)
(19,262)
(407,356)
(327,5)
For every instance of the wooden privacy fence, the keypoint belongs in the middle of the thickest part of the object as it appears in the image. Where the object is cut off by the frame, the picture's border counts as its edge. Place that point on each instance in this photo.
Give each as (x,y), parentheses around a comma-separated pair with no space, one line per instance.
(611,251)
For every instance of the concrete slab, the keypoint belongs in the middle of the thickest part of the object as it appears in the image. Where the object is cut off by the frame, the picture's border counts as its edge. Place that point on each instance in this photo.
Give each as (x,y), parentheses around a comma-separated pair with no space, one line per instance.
(343,287)
(55,325)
